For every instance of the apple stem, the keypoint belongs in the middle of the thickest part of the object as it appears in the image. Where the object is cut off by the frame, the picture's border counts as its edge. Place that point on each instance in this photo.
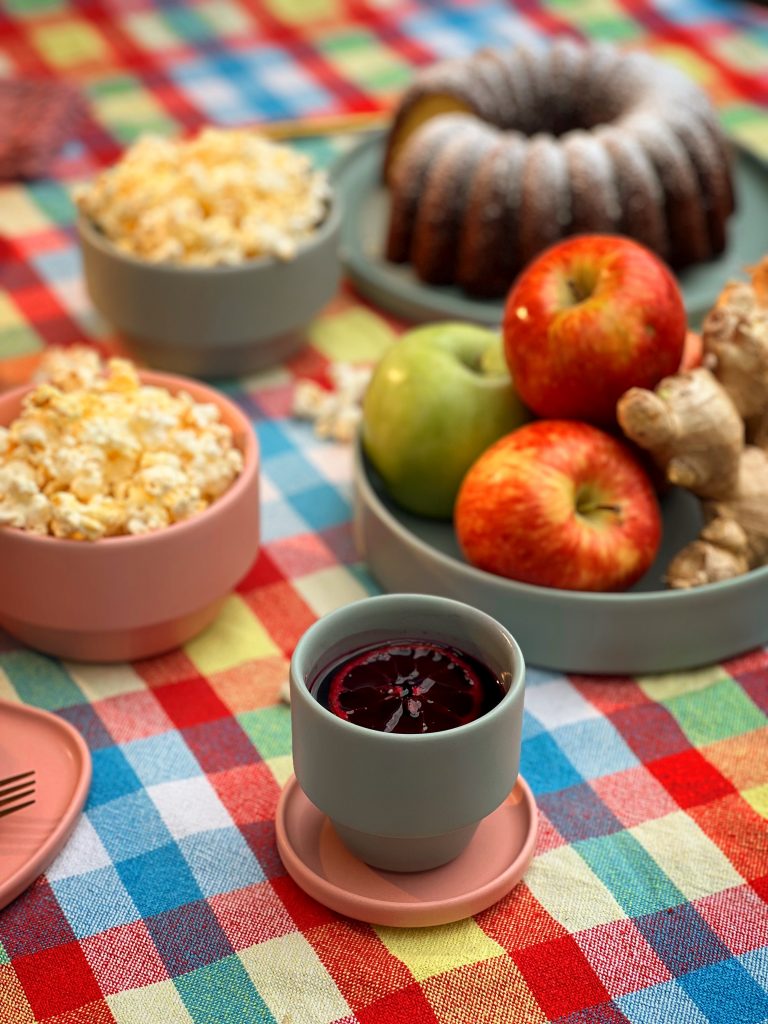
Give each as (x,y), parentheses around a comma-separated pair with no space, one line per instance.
(578,290)
(585,510)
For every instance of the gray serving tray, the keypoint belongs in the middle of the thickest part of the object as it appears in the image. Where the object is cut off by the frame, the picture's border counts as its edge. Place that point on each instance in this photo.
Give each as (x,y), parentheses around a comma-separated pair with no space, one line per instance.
(645,630)
(394,286)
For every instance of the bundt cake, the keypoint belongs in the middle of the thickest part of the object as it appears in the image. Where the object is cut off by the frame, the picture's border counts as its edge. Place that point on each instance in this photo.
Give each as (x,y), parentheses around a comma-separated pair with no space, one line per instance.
(494,157)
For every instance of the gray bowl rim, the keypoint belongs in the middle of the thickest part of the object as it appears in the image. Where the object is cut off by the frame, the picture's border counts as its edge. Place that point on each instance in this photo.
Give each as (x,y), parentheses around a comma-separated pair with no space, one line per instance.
(384,739)
(599,599)
(330,224)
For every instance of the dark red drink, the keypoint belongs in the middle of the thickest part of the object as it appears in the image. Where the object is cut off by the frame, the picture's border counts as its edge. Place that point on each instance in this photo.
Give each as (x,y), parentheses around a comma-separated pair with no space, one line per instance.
(408,686)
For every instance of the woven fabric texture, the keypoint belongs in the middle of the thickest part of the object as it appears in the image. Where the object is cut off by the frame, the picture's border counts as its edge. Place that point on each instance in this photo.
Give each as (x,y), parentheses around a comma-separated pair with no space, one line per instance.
(646,900)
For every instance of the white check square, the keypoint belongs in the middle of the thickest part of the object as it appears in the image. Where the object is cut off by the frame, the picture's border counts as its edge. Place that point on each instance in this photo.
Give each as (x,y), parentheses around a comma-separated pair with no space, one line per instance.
(188,806)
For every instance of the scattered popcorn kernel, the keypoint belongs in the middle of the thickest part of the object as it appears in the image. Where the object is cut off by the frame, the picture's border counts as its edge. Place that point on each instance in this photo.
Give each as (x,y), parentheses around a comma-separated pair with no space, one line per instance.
(335,413)
(101,455)
(221,198)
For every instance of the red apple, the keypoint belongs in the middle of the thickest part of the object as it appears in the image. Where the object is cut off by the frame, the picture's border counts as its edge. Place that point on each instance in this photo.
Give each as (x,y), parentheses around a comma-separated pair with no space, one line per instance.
(559,504)
(591,317)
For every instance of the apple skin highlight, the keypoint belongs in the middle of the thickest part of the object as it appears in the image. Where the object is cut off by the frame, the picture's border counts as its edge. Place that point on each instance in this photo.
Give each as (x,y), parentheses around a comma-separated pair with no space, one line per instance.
(590,318)
(559,504)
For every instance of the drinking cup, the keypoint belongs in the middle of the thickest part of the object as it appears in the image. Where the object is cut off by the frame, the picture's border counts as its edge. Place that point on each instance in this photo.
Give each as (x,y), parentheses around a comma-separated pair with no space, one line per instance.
(406,802)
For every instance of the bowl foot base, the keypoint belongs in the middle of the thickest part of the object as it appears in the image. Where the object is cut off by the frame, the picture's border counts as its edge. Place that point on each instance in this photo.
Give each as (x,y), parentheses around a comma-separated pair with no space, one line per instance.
(223,360)
(112,645)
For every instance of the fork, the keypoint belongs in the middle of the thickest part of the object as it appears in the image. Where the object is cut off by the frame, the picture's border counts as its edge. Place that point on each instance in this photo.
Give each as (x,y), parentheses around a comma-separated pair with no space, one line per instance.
(14,789)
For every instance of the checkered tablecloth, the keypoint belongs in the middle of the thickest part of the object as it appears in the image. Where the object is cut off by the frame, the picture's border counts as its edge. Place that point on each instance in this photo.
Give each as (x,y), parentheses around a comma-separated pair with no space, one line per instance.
(645,902)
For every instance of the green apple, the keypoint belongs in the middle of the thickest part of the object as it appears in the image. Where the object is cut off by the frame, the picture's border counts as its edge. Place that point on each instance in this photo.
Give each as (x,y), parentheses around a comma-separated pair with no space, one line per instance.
(439,397)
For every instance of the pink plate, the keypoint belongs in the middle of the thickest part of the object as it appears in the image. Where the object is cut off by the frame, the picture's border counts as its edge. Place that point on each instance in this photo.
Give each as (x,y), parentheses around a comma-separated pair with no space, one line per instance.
(32,838)
(492,864)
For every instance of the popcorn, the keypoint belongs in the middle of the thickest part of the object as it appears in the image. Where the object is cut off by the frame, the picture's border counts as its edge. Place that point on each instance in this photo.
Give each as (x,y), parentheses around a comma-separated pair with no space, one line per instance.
(223,197)
(67,368)
(337,413)
(102,455)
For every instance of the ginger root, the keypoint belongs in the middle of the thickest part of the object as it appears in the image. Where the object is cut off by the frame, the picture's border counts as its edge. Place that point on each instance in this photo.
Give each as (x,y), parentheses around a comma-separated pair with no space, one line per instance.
(734,538)
(691,428)
(735,342)
(707,429)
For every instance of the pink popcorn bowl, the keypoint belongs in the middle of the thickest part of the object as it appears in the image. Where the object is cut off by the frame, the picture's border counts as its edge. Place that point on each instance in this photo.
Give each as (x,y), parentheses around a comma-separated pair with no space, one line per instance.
(123,598)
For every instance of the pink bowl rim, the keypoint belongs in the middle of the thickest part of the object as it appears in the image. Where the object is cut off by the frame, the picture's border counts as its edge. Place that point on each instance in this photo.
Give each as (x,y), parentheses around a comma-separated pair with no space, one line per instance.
(174,383)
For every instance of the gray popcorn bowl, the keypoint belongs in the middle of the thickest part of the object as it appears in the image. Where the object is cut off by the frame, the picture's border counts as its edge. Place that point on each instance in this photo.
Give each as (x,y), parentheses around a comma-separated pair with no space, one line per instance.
(644,630)
(212,321)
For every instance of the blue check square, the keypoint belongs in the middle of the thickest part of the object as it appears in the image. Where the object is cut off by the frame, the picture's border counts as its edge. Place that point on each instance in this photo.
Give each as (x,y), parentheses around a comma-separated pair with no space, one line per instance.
(159,880)
(444,37)
(594,748)
(545,766)
(682,939)
(726,993)
(321,506)
(162,758)
(58,265)
(579,813)
(112,777)
(88,724)
(756,962)
(273,439)
(531,726)
(286,81)
(279,520)
(188,937)
(129,826)
(221,860)
(537,676)
(660,1003)
(291,473)
(95,901)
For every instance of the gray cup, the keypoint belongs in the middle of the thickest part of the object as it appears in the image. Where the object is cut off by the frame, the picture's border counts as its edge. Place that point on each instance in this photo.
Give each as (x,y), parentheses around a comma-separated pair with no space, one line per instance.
(406,802)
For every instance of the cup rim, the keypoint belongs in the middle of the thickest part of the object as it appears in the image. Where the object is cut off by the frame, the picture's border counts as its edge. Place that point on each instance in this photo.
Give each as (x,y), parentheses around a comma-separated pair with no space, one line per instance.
(91,234)
(449,604)
(173,382)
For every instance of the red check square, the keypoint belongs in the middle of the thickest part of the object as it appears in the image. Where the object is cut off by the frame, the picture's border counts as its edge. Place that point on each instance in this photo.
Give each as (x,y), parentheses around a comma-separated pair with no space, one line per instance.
(306,912)
(251,915)
(249,792)
(282,612)
(738,917)
(690,778)
(408,1004)
(38,303)
(560,976)
(622,958)
(190,702)
(124,958)
(519,920)
(90,1013)
(56,980)
(370,979)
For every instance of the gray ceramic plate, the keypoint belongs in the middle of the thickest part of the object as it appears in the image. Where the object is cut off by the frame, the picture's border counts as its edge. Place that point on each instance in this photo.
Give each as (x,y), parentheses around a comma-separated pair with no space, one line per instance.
(393,286)
(647,629)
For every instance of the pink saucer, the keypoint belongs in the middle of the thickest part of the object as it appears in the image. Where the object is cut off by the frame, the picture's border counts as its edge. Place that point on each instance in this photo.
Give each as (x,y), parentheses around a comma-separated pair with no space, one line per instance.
(492,864)
(33,837)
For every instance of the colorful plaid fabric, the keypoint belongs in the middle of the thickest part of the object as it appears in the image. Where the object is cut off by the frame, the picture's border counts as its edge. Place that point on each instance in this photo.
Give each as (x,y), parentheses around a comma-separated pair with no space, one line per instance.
(646,901)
